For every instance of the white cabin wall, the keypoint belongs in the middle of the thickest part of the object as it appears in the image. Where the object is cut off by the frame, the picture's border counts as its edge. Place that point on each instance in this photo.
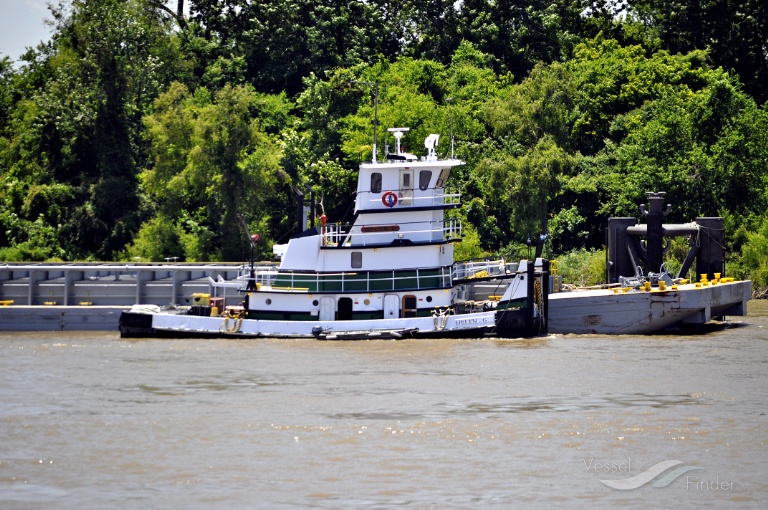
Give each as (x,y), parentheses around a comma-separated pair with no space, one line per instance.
(390,258)
(416,226)
(303,254)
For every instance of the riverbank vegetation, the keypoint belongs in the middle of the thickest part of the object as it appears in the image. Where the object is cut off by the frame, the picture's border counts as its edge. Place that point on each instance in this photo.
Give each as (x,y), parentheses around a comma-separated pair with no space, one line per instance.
(146,129)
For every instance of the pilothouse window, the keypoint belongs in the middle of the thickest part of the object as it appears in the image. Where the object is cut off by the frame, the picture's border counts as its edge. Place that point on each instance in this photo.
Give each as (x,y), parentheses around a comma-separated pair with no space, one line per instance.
(376,182)
(442,178)
(424,177)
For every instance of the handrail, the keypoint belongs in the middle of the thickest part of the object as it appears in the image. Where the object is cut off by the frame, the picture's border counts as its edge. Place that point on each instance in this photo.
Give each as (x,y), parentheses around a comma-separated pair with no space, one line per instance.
(333,235)
(415,200)
(479,269)
(351,281)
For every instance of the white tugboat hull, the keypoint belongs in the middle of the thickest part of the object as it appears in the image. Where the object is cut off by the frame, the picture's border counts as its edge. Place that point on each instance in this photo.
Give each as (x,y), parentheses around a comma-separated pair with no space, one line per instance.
(146,323)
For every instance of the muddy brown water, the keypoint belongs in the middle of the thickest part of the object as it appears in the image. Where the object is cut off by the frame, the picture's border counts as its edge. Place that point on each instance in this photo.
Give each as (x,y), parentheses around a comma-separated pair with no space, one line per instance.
(93,421)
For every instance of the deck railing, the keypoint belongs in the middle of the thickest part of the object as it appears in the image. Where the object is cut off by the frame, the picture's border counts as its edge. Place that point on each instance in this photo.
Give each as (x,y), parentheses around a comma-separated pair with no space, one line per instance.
(335,234)
(481,269)
(369,200)
(364,281)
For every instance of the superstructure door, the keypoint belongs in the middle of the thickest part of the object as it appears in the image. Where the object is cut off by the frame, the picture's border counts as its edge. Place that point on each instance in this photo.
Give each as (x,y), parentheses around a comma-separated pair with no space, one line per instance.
(391,306)
(327,308)
(406,187)
(410,306)
(345,309)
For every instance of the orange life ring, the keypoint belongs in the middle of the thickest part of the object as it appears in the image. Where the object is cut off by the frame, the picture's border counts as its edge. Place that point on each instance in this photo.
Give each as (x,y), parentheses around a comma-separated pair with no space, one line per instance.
(389,199)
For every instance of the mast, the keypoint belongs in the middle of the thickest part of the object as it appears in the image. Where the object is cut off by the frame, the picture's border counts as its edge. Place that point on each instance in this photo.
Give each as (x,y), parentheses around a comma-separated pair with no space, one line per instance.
(375,86)
(450,112)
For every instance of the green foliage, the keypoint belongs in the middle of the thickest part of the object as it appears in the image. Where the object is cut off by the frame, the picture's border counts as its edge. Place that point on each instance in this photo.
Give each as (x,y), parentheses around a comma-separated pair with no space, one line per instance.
(517,34)
(754,257)
(212,166)
(582,267)
(734,32)
(568,228)
(521,187)
(469,248)
(158,239)
(6,91)
(612,124)
(274,45)
(135,125)
(30,240)
(706,160)
(612,81)
(73,134)
(540,106)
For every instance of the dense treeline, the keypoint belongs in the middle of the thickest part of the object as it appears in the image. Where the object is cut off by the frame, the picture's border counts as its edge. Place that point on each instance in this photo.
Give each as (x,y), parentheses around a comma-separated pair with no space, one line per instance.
(150,129)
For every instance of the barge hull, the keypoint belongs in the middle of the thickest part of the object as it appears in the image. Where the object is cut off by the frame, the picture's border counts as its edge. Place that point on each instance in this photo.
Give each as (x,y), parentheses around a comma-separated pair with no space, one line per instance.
(605,312)
(60,318)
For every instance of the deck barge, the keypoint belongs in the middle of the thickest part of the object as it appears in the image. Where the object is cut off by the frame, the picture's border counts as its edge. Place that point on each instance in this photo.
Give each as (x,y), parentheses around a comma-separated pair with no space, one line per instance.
(91,296)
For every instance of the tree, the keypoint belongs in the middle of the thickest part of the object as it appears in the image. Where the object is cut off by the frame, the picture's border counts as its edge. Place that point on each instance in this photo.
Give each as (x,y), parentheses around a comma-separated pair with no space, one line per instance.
(177,14)
(284,41)
(75,136)
(611,124)
(706,149)
(212,166)
(517,33)
(6,99)
(735,33)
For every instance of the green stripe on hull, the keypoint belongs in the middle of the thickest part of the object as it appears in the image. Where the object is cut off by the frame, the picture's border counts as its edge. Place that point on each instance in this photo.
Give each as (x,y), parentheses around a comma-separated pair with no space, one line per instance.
(514,304)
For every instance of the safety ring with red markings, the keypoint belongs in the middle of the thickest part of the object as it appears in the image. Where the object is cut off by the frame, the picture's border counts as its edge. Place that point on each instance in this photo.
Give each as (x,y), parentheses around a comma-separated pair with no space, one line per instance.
(389,199)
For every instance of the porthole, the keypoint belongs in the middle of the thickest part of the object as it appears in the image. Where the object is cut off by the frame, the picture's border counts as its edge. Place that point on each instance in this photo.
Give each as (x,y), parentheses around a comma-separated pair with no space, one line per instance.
(268,301)
(429,299)
(366,302)
(315,302)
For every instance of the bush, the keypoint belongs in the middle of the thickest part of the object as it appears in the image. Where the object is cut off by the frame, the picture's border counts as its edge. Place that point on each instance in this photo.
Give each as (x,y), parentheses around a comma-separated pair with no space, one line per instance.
(469,248)
(581,267)
(157,239)
(754,256)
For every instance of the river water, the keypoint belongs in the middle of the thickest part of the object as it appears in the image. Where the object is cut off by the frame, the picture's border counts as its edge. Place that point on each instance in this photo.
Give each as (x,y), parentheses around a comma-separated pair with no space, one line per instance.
(93,421)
